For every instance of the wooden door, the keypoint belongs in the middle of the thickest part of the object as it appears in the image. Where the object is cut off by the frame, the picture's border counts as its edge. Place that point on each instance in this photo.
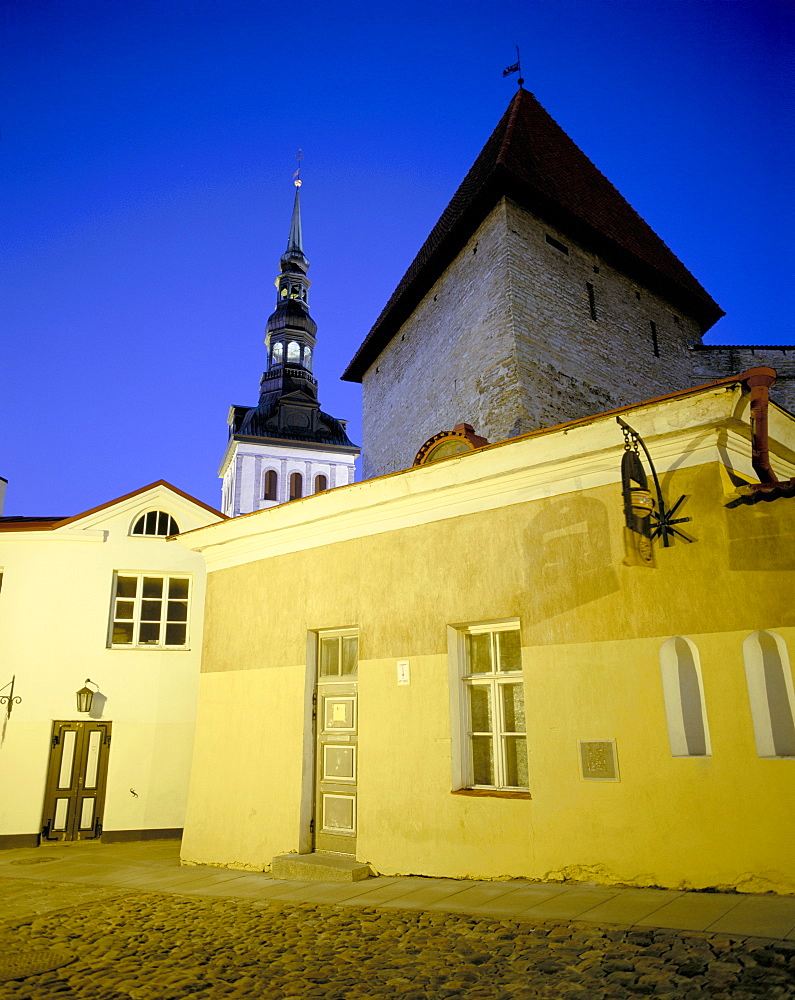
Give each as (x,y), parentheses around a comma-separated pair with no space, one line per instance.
(76,777)
(336,744)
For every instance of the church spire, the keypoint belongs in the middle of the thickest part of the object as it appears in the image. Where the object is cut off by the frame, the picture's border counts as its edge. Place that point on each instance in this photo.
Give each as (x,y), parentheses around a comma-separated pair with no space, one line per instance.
(295,242)
(299,449)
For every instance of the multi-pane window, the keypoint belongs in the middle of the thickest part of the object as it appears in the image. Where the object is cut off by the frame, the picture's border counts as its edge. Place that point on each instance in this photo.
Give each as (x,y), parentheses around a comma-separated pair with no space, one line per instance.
(150,610)
(339,655)
(496,744)
(155,522)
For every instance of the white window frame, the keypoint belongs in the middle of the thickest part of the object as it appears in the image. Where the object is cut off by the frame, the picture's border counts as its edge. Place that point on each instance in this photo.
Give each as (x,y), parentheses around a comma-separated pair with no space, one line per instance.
(137,610)
(460,719)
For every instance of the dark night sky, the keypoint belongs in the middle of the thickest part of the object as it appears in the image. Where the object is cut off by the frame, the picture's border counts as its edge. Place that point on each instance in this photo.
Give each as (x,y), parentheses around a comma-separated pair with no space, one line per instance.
(146,193)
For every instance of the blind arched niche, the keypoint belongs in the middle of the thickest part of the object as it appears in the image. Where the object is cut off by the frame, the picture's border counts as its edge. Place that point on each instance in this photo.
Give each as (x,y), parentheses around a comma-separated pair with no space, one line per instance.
(688,732)
(770,690)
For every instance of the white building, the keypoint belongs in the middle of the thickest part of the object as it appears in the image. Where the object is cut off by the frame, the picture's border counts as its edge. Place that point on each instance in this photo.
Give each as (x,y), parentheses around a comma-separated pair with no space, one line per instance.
(102,595)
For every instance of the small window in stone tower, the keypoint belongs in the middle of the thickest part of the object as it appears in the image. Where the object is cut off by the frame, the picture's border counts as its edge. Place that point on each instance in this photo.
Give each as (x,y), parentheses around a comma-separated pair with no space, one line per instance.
(321,483)
(655,346)
(293,351)
(296,486)
(271,485)
(591,299)
(557,244)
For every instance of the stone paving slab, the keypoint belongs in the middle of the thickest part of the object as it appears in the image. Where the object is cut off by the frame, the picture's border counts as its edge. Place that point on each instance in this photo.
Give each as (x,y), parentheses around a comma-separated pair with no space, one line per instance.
(570,905)
(479,894)
(332,892)
(421,895)
(155,866)
(691,911)
(764,916)
(21,899)
(630,906)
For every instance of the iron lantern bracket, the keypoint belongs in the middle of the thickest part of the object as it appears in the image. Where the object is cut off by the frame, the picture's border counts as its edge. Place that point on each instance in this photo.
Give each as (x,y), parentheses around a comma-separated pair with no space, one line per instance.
(663,517)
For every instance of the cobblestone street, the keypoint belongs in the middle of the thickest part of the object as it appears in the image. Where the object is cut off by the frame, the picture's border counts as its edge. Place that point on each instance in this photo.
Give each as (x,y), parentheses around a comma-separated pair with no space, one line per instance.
(151,946)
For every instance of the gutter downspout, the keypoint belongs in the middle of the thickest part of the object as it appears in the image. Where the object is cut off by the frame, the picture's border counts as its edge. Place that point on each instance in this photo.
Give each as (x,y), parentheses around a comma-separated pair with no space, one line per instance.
(759,381)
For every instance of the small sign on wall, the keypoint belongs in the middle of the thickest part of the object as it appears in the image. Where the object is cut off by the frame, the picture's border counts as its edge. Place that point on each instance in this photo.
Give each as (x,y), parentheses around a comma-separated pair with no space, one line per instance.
(403,675)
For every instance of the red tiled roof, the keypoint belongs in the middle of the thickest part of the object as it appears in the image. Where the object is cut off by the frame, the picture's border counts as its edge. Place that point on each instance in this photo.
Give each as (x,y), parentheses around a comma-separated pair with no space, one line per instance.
(22,523)
(530,159)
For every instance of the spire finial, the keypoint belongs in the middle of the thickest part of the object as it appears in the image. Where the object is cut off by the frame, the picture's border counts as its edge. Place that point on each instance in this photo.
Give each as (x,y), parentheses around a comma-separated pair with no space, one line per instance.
(515,68)
(295,241)
(297,175)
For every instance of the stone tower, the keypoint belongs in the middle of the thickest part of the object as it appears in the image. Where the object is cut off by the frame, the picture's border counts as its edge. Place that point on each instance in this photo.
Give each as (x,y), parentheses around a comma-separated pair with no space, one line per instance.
(286,447)
(539,297)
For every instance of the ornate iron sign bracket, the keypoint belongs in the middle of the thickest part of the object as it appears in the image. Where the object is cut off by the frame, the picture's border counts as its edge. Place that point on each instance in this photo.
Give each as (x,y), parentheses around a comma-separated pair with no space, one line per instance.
(663,519)
(9,699)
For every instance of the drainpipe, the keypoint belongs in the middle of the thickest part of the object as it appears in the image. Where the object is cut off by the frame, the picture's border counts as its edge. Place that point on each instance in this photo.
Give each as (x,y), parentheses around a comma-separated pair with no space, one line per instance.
(759,381)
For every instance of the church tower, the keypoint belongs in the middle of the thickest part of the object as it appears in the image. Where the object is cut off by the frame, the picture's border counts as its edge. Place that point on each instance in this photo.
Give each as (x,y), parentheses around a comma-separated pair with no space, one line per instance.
(286,447)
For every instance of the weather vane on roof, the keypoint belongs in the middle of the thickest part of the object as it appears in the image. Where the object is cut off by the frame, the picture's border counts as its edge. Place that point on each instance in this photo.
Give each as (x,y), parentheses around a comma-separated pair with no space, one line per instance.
(515,68)
(297,175)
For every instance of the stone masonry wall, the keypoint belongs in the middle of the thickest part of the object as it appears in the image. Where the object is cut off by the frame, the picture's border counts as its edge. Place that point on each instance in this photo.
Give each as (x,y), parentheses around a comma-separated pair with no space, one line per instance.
(716,362)
(505,341)
(453,360)
(582,351)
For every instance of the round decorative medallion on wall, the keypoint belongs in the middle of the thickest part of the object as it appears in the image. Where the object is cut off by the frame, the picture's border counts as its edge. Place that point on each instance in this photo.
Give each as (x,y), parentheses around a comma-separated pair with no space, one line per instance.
(459,441)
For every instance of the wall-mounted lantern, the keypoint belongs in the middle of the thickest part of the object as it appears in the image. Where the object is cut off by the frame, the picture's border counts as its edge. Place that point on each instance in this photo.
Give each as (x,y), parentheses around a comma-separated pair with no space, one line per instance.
(9,699)
(644,523)
(85,696)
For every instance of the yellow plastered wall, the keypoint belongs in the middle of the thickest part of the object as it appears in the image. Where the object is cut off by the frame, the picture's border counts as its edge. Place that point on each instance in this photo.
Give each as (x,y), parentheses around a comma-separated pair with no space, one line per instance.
(591,632)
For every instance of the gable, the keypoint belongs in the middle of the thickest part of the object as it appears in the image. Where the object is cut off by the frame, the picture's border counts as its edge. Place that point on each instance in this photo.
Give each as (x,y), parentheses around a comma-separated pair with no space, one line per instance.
(530,159)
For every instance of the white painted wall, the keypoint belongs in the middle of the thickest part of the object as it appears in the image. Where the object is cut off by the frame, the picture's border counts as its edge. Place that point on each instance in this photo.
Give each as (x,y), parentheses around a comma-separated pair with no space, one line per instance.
(54,615)
(245,464)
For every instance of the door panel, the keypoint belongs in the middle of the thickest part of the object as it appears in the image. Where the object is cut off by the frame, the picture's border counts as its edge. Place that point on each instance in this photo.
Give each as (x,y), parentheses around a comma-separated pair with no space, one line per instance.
(76,777)
(336,750)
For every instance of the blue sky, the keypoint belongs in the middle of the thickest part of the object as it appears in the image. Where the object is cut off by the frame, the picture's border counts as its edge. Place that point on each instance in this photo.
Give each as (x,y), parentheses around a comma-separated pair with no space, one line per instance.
(146,193)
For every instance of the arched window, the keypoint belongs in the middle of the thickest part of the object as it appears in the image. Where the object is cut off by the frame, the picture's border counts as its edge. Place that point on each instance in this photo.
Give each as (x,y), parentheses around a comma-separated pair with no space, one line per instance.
(271,485)
(155,522)
(770,691)
(284,292)
(321,483)
(296,486)
(293,351)
(683,691)
(277,353)
(308,358)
